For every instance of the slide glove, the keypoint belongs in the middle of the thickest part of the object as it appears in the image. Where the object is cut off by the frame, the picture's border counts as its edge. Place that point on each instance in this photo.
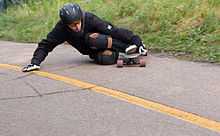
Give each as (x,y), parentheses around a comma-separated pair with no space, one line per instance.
(30,67)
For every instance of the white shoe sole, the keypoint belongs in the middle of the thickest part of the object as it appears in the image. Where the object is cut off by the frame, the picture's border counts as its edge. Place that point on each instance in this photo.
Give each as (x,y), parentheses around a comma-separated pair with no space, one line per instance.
(131,49)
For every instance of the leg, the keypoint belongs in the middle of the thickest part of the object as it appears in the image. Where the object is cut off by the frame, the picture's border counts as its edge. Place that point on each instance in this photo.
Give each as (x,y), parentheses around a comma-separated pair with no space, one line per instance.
(98,41)
(101,49)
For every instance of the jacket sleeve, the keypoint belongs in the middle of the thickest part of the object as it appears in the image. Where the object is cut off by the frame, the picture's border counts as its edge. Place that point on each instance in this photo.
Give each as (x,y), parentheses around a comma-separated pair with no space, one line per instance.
(122,34)
(54,38)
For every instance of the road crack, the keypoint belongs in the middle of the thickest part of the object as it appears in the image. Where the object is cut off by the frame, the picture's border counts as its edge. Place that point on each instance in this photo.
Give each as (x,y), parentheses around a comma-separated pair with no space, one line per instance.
(23,76)
(42,94)
(33,88)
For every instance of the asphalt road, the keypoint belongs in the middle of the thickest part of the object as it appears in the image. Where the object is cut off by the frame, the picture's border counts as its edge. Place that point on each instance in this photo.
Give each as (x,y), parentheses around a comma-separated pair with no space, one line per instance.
(75,97)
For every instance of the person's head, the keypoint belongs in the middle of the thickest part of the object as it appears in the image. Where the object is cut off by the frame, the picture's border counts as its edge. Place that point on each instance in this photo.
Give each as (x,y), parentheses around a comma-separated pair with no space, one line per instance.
(71,15)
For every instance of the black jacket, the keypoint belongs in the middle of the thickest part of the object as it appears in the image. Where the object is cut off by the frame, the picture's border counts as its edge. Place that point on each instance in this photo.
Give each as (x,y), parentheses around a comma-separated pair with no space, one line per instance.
(90,24)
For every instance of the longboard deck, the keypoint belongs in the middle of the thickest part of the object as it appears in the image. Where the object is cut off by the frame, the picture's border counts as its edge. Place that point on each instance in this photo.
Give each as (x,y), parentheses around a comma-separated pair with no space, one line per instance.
(130,59)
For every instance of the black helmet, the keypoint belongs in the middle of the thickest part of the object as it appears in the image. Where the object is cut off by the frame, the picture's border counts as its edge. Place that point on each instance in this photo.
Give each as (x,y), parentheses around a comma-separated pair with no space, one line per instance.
(70,12)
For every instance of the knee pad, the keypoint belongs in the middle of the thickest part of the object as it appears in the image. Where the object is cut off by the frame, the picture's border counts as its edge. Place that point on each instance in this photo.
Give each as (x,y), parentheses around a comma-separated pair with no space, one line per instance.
(107,57)
(98,41)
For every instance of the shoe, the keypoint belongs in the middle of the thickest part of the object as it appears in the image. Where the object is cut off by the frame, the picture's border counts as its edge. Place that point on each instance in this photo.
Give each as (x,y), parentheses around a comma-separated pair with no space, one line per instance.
(131,49)
(143,51)
(30,67)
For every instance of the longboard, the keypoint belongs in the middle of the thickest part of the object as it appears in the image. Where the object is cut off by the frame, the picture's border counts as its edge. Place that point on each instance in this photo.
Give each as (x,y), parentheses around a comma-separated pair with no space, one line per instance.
(130,59)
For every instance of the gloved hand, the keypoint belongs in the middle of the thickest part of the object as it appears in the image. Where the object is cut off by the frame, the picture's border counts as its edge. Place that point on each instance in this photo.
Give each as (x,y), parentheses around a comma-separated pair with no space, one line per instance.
(142,50)
(30,67)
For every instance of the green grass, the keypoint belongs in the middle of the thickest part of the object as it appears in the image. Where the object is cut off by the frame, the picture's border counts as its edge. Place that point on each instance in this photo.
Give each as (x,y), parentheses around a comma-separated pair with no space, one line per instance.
(188,29)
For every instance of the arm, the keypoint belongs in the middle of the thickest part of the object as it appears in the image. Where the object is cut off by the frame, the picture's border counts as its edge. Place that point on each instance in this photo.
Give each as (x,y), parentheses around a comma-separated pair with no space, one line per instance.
(122,34)
(54,38)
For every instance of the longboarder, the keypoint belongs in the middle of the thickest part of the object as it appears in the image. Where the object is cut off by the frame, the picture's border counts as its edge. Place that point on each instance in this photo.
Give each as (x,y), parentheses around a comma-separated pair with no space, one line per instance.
(90,35)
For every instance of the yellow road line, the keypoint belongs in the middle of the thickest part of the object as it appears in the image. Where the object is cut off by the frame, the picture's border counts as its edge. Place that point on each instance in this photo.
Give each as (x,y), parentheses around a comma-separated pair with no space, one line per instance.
(186,116)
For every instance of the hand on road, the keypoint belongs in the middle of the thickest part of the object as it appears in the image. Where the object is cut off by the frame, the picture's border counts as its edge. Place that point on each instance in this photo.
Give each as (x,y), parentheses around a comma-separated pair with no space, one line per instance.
(30,67)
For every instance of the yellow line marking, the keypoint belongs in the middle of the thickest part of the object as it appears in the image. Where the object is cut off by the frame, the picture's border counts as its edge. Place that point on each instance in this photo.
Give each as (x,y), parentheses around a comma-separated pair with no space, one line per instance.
(186,116)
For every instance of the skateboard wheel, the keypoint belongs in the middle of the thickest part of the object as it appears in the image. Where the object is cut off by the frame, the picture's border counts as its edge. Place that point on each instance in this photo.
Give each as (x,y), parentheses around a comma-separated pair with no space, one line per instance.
(120,63)
(142,63)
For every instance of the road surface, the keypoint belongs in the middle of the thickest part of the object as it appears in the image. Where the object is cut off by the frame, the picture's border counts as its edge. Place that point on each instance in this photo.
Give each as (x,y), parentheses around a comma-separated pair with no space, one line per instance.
(72,96)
